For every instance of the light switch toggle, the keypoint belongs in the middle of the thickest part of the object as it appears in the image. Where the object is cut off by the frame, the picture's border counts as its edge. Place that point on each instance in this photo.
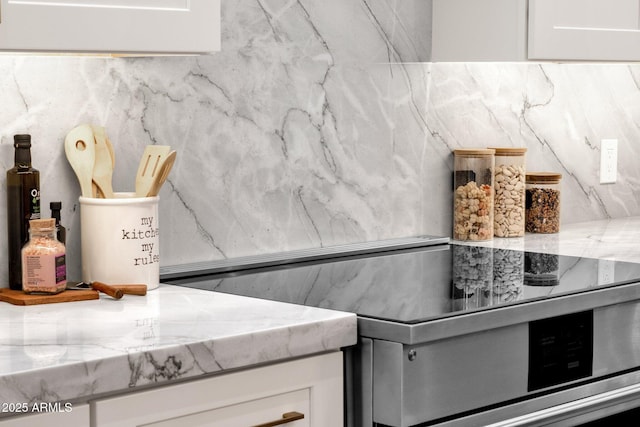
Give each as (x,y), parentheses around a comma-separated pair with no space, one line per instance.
(608,161)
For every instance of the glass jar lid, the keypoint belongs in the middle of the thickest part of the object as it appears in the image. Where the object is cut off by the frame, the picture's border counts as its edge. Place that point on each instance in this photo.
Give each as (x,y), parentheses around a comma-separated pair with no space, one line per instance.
(474,152)
(509,151)
(543,177)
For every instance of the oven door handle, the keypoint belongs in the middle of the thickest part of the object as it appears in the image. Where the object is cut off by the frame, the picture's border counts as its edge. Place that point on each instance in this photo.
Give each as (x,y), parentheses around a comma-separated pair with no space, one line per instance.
(589,408)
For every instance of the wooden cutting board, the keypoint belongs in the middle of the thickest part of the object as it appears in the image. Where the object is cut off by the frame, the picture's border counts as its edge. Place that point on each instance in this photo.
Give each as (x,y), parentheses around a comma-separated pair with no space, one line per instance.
(20,298)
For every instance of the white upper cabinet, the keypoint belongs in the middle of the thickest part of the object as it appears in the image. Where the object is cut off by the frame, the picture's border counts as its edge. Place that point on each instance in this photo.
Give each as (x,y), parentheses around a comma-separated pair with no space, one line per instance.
(584,29)
(520,30)
(479,30)
(110,26)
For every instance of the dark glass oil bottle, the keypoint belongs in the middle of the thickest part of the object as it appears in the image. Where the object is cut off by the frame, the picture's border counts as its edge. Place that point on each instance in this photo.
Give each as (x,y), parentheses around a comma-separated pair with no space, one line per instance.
(23,205)
(61,233)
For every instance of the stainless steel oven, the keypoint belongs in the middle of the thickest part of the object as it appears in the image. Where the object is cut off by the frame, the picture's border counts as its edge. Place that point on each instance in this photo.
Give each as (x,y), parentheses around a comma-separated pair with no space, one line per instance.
(463,335)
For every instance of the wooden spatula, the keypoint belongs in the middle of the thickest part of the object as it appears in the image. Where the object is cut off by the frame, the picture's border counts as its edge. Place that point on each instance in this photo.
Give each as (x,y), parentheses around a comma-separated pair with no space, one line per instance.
(161,177)
(149,167)
(103,167)
(79,146)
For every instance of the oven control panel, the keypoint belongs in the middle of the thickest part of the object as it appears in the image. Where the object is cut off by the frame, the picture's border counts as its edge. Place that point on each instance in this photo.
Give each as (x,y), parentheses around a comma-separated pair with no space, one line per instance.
(560,350)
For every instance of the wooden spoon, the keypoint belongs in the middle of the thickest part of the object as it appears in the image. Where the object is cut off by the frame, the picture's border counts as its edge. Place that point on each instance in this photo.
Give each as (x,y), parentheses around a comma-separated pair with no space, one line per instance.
(161,177)
(103,167)
(149,167)
(79,146)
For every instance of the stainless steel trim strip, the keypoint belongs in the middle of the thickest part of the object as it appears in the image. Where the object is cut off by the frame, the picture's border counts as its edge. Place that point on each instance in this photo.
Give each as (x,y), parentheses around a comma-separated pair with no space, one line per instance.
(290,257)
(358,384)
(470,322)
(589,405)
(622,387)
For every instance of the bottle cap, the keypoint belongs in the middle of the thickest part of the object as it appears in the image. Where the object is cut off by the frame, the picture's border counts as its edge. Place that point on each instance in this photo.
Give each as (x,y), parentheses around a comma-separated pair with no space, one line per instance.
(55,206)
(22,141)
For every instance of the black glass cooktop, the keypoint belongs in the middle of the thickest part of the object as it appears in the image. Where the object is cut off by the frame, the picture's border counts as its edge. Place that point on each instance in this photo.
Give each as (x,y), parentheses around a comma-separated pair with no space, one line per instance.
(416,285)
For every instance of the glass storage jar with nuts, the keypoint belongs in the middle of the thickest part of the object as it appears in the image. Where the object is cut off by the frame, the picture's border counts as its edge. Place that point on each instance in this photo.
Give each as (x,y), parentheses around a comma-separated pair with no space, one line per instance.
(509,192)
(473,194)
(543,202)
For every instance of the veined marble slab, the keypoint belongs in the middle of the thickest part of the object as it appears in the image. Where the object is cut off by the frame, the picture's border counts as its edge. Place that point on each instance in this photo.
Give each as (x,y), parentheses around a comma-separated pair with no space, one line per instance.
(318,124)
(71,351)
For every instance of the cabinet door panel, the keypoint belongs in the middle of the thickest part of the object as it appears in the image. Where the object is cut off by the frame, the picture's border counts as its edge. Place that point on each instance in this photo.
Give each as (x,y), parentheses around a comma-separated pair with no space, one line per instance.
(584,29)
(617,14)
(312,386)
(136,4)
(479,30)
(252,413)
(112,26)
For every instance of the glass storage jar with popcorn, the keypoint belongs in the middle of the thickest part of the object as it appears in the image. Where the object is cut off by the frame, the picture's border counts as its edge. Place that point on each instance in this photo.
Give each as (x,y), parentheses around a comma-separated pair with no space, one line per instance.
(473,194)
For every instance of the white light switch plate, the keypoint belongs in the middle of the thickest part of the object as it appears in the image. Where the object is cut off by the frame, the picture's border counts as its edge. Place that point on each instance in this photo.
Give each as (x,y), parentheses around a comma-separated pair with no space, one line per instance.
(608,161)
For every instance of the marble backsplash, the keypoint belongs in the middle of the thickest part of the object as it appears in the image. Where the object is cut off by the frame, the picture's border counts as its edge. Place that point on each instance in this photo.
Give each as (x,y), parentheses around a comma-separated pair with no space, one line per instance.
(319,123)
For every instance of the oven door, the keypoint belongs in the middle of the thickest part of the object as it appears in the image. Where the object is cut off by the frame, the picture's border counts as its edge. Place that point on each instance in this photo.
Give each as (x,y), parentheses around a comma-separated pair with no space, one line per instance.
(613,401)
(562,370)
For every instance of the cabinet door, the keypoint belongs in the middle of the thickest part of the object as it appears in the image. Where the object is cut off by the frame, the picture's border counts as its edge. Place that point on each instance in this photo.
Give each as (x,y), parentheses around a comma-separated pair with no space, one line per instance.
(257,412)
(479,30)
(110,26)
(312,387)
(78,416)
(584,29)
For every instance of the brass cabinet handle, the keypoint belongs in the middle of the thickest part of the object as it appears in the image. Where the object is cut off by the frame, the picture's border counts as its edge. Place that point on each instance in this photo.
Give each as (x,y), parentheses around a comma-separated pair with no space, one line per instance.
(287,417)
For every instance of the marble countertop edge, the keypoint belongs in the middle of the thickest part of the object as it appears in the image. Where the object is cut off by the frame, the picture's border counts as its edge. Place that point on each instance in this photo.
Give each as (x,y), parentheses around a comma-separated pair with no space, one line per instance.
(102,347)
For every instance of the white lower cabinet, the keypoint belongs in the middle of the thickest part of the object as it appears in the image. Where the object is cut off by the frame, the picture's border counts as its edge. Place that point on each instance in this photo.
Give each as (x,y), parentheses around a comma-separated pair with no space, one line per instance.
(299,393)
(255,412)
(77,416)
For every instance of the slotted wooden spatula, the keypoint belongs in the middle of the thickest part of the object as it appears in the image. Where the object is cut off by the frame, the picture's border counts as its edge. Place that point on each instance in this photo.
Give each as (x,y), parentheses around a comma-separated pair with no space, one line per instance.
(149,167)
(161,177)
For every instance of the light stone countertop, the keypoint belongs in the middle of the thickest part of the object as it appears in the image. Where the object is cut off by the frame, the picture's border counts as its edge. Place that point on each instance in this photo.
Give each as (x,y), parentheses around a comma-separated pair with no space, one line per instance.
(614,239)
(73,351)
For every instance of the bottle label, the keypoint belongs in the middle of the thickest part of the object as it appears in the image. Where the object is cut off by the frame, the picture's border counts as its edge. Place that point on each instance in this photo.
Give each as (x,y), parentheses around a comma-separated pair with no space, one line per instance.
(43,273)
(34,198)
(61,269)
